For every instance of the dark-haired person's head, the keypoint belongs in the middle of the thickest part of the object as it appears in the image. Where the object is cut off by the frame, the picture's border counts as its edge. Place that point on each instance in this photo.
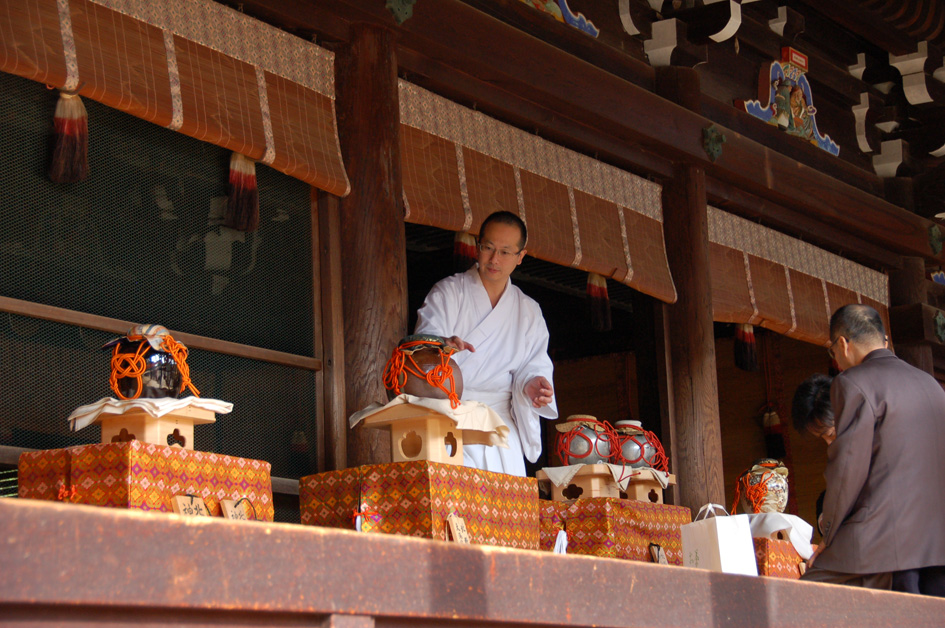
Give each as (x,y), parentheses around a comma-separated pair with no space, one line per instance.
(501,246)
(855,331)
(811,410)
(506,218)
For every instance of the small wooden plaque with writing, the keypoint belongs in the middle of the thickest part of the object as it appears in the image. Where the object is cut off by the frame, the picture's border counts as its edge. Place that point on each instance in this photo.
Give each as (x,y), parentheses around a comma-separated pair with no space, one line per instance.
(458,529)
(236,509)
(190,505)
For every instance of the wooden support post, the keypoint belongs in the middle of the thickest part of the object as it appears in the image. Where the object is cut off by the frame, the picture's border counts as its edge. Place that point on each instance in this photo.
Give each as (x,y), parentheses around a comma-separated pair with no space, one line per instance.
(908,287)
(373,244)
(697,442)
(333,437)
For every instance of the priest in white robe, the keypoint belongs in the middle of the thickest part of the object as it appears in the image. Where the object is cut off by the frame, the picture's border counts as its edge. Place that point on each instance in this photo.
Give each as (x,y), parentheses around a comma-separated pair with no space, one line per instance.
(502,343)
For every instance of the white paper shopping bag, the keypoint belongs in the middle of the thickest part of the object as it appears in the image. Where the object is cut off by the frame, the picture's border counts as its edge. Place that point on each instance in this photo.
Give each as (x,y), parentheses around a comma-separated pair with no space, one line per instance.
(719,543)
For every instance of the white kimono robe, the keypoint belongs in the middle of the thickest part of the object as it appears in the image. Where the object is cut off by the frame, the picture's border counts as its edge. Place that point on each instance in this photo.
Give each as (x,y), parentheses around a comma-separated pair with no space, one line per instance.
(511,342)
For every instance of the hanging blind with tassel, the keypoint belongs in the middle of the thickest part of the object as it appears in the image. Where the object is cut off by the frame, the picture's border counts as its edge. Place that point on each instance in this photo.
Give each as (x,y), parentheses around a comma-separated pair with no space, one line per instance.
(190,65)
(764,277)
(460,165)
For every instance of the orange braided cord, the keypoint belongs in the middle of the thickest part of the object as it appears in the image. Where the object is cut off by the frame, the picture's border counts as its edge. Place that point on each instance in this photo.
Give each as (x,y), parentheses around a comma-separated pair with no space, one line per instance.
(130,365)
(395,373)
(605,433)
(179,353)
(755,494)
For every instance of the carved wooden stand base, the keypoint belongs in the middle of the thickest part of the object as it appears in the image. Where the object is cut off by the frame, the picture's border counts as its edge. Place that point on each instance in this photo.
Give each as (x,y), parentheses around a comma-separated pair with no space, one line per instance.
(175,429)
(418,433)
(595,480)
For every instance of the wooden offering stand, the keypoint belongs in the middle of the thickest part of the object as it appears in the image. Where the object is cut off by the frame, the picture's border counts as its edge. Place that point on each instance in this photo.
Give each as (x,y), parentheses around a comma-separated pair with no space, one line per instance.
(595,480)
(418,433)
(175,429)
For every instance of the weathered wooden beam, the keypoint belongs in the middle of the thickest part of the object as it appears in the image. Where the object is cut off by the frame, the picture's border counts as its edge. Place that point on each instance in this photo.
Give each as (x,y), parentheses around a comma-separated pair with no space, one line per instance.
(851,16)
(737,201)
(911,318)
(697,431)
(70,565)
(915,324)
(373,243)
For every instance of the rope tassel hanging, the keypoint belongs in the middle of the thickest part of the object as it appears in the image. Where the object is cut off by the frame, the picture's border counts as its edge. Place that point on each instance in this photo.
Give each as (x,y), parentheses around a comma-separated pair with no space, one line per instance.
(242,203)
(598,302)
(464,251)
(70,158)
(746,352)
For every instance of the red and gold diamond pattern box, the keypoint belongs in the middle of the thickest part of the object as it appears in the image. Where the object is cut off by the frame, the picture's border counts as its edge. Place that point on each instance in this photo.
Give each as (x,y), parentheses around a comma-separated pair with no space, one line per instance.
(415,498)
(615,528)
(144,476)
(777,558)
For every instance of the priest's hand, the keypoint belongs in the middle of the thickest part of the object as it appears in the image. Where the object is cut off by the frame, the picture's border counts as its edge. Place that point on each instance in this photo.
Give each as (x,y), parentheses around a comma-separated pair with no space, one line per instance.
(459,344)
(539,391)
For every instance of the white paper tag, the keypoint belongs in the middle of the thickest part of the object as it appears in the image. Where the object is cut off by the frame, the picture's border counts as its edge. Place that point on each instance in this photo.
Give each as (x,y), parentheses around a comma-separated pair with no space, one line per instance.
(458,529)
(658,554)
(357,523)
(561,542)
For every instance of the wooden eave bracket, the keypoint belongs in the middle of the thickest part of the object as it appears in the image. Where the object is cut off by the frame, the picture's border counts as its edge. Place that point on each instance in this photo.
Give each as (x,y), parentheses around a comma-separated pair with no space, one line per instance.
(670,43)
(892,155)
(868,124)
(788,24)
(916,68)
(670,46)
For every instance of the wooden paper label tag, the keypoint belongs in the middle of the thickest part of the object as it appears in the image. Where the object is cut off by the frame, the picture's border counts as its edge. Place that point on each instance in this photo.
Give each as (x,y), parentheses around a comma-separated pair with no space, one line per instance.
(561,542)
(233,511)
(458,529)
(190,505)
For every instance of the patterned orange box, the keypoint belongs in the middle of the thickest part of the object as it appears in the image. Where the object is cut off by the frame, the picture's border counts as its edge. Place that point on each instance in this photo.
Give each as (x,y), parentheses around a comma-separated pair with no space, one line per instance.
(777,558)
(615,528)
(415,498)
(144,477)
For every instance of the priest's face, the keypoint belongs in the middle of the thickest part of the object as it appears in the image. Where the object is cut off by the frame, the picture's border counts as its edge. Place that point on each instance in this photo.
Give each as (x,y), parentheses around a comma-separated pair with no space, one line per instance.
(499,252)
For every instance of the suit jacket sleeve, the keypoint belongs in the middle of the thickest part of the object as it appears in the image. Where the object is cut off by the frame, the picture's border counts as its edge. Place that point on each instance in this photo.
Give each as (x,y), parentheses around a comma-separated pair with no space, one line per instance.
(849,456)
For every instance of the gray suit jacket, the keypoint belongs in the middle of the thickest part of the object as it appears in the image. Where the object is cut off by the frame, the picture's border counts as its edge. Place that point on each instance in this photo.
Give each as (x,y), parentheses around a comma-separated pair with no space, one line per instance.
(885,504)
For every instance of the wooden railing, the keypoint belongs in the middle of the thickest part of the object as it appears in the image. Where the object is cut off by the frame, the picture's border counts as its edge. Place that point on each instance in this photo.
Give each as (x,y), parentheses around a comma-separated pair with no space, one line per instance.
(66,564)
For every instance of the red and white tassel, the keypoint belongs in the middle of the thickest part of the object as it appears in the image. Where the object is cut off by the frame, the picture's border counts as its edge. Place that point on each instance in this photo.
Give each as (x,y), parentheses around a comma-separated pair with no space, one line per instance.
(464,251)
(70,158)
(746,353)
(242,203)
(598,302)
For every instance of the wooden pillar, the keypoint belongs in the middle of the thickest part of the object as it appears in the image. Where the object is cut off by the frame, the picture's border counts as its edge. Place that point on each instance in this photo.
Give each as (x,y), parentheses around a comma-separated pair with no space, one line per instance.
(373,245)
(333,445)
(907,287)
(698,442)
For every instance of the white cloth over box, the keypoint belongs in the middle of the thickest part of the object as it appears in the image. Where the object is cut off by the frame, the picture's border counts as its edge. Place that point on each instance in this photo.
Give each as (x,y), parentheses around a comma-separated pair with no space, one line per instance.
(84,416)
(561,476)
(480,423)
(766,525)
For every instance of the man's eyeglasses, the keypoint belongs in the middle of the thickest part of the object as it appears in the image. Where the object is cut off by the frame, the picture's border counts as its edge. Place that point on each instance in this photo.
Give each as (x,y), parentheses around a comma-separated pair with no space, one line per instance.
(833,344)
(502,254)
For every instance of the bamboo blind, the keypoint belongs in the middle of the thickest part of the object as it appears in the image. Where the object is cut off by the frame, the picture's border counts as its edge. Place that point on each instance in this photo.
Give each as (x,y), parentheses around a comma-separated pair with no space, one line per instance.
(190,65)
(764,277)
(460,165)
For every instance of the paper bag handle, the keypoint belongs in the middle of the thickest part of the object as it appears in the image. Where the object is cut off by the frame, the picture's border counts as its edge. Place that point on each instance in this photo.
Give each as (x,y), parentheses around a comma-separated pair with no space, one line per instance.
(709,509)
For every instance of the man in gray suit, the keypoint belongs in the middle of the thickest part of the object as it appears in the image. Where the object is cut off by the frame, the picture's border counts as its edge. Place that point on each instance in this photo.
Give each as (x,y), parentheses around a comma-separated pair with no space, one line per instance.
(884,510)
